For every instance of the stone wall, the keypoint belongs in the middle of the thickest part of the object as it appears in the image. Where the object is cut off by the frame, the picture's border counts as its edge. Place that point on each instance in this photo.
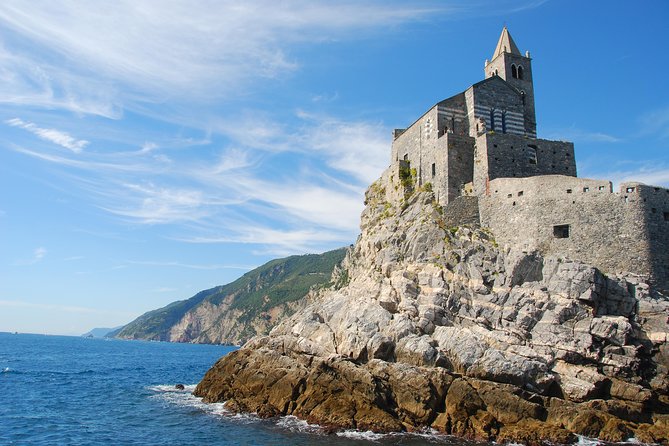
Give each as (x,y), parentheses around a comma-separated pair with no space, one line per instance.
(453,116)
(655,202)
(581,219)
(512,156)
(443,159)
(494,102)
(462,211)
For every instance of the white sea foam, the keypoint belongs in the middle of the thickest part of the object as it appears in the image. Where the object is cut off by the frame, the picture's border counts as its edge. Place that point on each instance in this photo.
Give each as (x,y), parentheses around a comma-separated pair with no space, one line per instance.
(295,424)
(362,435)
(587,441)
(169,394)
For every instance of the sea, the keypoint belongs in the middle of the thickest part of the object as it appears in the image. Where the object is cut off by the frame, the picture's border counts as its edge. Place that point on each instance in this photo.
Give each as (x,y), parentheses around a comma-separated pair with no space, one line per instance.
(63,390)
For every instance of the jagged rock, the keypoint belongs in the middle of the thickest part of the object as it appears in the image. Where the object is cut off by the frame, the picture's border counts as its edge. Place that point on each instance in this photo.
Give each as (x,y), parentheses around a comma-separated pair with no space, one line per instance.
(439,327)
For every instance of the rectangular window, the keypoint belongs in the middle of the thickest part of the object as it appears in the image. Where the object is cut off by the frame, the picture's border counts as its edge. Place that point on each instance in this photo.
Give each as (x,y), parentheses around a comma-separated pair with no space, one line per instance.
(586,189)
(568,191)
(561,231)
(520,194)
(630,190)
(531,154)
(666,216)
(601,187)
(434,169)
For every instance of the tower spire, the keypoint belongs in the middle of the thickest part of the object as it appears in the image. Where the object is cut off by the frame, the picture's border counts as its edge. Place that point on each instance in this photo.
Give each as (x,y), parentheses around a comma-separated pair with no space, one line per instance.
(505,44)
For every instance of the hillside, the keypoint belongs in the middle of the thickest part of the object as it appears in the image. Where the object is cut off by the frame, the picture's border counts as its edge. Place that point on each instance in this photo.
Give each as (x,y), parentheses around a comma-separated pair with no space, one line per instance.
(232,313)
(100,332)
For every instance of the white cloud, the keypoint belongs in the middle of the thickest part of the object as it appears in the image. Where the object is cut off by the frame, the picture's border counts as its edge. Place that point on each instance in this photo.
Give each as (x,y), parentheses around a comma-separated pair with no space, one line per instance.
(208,267)
(147,50)
(51,307)
(37,256)
(52,135)
(655,123)
(579,135)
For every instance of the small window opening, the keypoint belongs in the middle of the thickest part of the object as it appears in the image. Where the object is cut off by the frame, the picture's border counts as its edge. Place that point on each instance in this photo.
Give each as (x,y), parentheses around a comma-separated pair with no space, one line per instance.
(434,169)
(522,96)
(520,194)
(630,190)
(627,200)
(514,203)
(520,71)
(504,122)
(601,188)
(509,196)
(514,71)
(561,231)
(666,216)
(653,210)
(531,154)
(586,189)
(568,191)
(406,157)
(492,119)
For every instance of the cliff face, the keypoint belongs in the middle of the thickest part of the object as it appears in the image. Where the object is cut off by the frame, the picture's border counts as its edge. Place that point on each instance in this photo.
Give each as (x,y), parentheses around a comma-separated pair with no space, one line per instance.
(233,313)
(438,326)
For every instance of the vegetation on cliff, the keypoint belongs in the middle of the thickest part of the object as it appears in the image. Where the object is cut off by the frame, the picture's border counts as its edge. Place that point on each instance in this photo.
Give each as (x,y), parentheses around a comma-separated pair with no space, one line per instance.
(234,312)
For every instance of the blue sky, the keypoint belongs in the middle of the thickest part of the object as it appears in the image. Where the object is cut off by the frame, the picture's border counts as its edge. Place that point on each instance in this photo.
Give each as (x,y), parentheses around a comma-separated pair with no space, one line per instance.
(151,149)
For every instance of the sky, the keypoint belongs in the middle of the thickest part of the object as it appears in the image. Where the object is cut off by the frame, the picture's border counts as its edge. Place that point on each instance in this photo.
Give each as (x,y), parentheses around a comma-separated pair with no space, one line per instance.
(152,149)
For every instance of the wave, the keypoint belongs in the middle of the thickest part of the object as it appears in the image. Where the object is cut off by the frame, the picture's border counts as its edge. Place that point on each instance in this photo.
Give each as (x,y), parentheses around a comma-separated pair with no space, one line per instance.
(587,441)
(185,398)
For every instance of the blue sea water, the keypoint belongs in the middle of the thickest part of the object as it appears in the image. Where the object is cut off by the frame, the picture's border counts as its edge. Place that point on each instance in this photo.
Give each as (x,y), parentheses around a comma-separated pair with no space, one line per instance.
(60,390)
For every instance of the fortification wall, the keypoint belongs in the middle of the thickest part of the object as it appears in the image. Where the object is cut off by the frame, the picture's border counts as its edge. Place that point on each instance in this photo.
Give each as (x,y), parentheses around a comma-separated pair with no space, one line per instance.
(655,201)
(511,156)
(580,219)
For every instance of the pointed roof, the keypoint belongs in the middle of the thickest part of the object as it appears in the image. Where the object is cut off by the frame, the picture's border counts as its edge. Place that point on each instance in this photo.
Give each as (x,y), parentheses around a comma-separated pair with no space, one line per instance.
(505,44)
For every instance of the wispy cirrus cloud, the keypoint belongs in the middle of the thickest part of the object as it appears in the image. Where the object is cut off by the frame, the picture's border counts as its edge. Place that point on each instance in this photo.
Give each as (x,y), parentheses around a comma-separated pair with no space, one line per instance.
(142,50)
(655,123)
(582,136)
(58,137)
(38,255)
(239,194)
(208,267)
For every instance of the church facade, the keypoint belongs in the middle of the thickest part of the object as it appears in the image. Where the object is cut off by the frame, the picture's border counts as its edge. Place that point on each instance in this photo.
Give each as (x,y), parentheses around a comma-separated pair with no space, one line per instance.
(479,152)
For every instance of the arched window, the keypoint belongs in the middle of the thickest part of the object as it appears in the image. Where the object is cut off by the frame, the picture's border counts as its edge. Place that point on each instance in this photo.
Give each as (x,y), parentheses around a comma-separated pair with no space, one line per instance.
(514,71)
(520,71)
(492,119)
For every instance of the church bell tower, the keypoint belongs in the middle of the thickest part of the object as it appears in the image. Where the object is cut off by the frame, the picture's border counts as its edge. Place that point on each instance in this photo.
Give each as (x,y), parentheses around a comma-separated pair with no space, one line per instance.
(509,64)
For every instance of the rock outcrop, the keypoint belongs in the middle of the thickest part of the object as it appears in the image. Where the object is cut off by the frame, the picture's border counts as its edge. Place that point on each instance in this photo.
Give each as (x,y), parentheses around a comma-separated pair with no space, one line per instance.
(437,326)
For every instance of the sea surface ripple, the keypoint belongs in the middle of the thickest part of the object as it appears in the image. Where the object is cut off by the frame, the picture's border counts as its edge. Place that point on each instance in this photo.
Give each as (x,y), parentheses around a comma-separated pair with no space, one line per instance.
(60,390)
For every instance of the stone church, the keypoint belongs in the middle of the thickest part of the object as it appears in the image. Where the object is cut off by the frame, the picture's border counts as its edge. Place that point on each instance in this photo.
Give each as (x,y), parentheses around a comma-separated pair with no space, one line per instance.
(478,150)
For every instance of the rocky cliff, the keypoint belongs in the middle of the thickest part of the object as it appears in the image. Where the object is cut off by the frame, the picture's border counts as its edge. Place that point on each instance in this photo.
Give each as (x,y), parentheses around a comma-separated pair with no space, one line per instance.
(437,326)
(233,313)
